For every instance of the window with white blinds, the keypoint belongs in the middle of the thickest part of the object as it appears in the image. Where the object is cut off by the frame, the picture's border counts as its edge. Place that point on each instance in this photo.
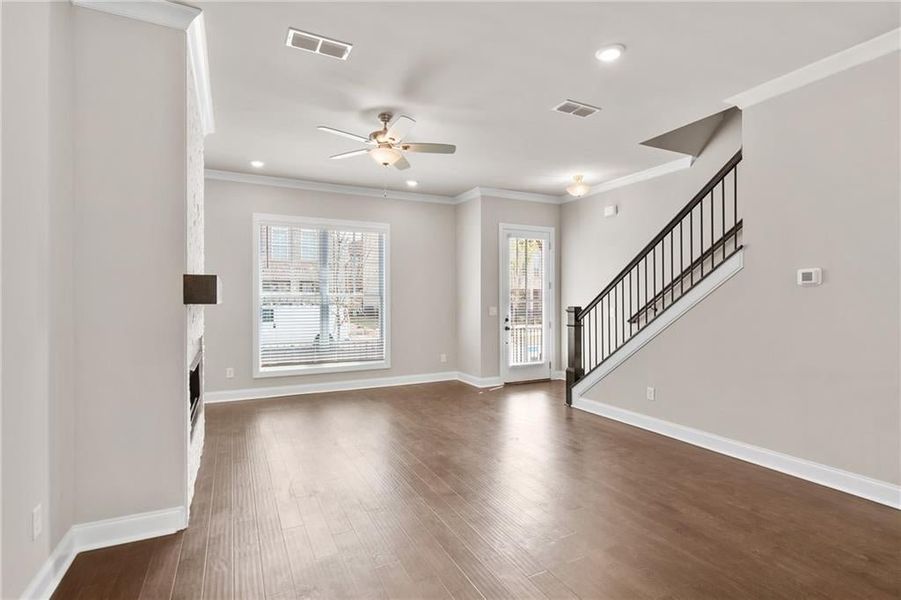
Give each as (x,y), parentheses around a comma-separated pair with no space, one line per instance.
(320,295)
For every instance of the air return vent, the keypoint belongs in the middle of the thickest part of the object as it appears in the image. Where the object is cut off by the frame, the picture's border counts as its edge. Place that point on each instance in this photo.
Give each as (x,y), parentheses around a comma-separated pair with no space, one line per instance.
(317,44)
(578,109)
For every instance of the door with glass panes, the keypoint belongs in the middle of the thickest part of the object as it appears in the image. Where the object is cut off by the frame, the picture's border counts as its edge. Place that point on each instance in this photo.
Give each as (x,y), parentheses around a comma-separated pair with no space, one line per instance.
(525,303)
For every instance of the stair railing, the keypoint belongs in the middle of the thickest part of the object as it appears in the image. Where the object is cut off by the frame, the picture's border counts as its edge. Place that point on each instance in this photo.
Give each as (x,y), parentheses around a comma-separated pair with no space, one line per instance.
(702,236)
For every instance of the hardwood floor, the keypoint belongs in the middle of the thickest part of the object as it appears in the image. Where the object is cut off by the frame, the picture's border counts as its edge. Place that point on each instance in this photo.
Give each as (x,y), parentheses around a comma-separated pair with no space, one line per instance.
(442,490)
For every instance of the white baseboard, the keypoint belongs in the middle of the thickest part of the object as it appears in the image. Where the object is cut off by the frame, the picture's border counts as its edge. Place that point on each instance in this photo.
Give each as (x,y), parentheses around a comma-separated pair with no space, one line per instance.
(325,386)
(100,534)
(683,304)
(479,382)
(858,485)
(558,375)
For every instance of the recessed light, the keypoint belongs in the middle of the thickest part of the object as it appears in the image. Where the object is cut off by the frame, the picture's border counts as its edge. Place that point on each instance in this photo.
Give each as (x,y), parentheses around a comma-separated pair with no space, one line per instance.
(257,164)
(610,53)
(411,183)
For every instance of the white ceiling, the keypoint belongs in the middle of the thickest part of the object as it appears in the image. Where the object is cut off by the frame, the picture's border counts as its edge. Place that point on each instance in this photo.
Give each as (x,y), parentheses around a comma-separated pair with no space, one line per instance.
(484,76)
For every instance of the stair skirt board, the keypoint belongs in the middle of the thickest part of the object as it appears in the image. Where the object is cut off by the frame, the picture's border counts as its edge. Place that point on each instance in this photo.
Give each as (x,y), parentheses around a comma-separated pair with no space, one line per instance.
(682,305)
(875,490)
(101,534)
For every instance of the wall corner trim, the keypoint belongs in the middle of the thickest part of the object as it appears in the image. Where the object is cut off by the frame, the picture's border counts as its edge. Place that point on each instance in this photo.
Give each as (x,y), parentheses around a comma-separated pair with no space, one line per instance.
(666,168)
(177,16)
(100,534)
(875,490)
(825,67)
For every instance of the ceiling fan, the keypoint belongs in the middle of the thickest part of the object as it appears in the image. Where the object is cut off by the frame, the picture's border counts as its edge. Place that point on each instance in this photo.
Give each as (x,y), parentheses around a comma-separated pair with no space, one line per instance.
(388,142)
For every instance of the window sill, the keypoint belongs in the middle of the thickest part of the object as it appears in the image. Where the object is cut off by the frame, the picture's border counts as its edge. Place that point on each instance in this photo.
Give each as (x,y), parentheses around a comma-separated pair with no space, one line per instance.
(290,371)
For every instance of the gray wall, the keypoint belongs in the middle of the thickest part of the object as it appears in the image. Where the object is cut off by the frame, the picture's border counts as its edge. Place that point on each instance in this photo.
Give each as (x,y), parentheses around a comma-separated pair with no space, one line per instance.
(93,250)
(469,286)
(811,372)
(129,258)
(38,402)
(423,295)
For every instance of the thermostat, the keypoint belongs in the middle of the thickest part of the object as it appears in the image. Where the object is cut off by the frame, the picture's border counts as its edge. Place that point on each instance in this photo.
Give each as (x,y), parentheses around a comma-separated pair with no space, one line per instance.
(610,210)
(810,276)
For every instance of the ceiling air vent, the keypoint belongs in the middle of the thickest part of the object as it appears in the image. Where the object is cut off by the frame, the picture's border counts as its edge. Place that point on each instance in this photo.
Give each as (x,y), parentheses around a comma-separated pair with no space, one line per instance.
(303,40)
(578,109)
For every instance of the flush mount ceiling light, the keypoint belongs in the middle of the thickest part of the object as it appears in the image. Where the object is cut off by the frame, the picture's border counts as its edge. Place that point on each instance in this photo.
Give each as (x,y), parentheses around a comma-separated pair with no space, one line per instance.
(257,164)
(411,183)
(317,44)
(578,188)
(609,54)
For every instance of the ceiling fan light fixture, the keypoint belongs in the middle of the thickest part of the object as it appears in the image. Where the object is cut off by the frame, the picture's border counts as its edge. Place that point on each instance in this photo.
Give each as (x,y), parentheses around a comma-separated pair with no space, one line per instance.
(578,188)
(385,155)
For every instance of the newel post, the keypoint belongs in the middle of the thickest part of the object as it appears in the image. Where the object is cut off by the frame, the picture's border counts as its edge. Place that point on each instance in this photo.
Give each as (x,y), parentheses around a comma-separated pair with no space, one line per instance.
(574,370)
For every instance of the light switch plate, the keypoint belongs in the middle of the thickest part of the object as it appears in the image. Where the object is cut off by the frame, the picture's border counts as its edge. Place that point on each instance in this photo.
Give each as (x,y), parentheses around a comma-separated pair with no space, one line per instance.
(492,311)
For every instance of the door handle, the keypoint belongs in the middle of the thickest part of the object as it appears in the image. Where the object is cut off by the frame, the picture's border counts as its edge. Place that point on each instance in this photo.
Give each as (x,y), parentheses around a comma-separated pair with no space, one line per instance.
(506,328)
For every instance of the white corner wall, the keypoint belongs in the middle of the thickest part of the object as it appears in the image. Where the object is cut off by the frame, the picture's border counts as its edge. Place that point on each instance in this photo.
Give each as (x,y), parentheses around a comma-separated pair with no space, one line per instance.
(811,373)
(37,360)
(130,246)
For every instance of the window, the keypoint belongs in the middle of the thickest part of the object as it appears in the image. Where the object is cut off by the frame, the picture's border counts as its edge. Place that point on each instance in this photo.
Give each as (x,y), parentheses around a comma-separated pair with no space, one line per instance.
(320,294)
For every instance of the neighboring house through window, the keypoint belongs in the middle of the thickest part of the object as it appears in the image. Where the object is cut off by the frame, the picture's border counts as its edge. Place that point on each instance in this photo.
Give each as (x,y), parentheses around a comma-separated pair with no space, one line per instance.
(320,296)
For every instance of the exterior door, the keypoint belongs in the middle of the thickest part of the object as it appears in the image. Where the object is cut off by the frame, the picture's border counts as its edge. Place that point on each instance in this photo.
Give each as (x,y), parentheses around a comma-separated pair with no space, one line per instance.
(526,303)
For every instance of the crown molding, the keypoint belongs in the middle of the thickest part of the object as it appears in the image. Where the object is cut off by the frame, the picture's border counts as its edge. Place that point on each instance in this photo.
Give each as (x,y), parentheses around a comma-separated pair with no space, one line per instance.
(468,195)
(514,195)
(177,16)
(840,61)
(665,169)
(471,194)
(318,186)
(158,12)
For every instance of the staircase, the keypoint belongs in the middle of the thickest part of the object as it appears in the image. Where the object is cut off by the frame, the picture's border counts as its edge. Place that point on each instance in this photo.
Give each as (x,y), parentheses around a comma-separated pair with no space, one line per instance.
(695,252)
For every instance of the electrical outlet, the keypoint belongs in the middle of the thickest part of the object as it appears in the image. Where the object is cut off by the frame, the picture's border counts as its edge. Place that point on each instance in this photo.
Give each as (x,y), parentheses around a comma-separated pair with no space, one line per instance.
(37,522)
(651,393)
(229,373)
(442,357)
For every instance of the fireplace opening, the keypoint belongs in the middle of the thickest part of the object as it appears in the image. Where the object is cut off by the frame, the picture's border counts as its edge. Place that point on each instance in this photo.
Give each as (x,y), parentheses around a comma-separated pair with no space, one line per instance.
(194,379)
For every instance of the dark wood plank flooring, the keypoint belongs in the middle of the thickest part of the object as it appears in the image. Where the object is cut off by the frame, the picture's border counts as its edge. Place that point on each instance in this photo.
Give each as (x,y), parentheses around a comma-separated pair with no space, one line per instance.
(445,491)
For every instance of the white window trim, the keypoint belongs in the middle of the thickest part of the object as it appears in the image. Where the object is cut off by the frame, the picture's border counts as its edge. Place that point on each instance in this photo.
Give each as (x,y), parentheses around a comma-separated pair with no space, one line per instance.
(384,228)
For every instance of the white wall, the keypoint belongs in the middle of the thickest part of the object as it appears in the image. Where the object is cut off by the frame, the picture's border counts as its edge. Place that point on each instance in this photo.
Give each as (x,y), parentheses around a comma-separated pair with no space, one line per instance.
(810,372)
(38,401)
(423,295)
(129,258)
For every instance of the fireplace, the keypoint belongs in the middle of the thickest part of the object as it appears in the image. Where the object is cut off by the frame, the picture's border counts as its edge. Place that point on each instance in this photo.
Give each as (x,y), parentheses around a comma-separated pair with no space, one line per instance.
(195,379)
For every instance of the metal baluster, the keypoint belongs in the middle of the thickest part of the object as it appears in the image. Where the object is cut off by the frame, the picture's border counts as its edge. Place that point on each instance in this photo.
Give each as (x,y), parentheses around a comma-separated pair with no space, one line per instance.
(681,259)
(701,229)
(691,245)
(723,200)
(734,207)
(712,236)
(645,309)
(672,275)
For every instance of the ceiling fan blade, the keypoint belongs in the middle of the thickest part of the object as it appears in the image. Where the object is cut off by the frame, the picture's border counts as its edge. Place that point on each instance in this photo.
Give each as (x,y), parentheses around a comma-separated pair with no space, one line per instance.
(400,128)
(401,164)
(349,154)
(433,148)
(346,134)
